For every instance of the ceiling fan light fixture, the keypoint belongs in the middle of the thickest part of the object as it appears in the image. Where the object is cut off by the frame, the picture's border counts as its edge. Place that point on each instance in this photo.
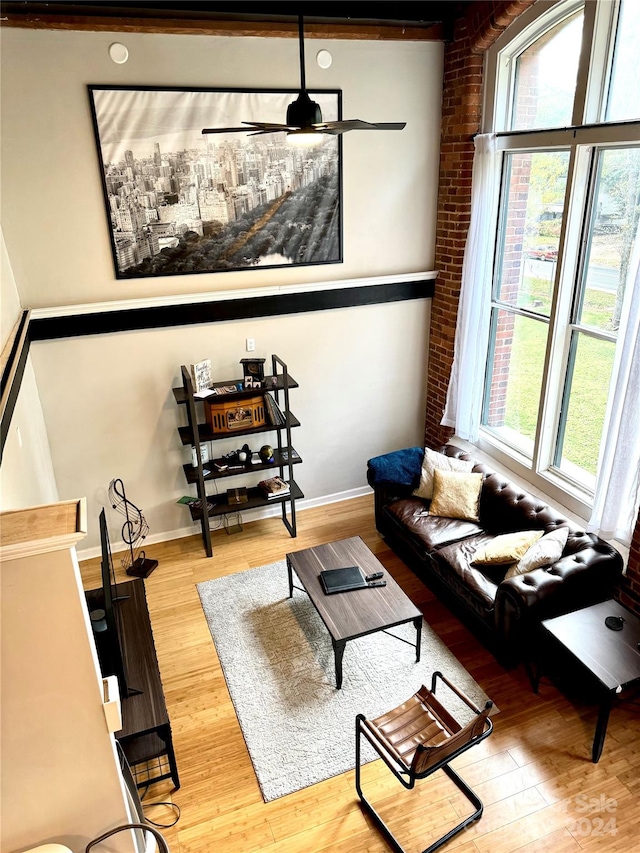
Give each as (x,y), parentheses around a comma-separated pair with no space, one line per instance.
(306,137)
(303,112)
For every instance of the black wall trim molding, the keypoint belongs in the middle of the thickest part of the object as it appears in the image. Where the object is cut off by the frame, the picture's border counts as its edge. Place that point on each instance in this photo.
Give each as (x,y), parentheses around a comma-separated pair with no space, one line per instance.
(12,376)
(166,316)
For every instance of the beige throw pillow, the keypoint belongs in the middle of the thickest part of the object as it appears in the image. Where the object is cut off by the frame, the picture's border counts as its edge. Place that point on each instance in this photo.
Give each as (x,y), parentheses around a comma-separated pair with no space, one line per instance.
(431,461)
(507,548)
(456,495)
(544,552)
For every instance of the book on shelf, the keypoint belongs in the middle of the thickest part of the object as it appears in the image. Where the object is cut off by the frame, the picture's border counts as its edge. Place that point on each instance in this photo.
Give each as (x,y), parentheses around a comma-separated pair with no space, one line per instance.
(194,503)
(284,453)
(274,412)
(274,487)
(201,375)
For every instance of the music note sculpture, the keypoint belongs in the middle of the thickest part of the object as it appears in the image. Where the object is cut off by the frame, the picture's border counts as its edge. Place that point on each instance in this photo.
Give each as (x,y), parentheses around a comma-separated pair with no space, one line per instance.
(134,531)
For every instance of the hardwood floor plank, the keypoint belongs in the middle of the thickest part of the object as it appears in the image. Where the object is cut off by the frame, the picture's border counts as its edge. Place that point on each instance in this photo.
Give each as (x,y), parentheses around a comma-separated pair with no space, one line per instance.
(530,772)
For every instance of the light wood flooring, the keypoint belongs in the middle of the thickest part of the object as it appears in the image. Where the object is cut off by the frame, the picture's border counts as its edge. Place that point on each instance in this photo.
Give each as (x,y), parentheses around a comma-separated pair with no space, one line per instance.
(534,774)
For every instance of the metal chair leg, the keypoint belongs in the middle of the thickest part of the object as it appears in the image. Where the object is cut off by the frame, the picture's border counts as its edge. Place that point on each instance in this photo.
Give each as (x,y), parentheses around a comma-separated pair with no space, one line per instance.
(462,786)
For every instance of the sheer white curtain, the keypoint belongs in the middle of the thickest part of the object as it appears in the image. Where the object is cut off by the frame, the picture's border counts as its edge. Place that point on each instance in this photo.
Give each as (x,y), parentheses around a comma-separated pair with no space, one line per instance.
(464,396)
(615,504)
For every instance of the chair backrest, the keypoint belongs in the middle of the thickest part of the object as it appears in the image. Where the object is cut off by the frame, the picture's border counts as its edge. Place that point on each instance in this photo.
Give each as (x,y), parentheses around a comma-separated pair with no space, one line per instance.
(426,757)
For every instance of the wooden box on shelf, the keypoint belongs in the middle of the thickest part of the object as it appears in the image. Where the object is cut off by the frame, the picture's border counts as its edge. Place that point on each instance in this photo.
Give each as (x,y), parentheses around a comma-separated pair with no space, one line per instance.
(228,416)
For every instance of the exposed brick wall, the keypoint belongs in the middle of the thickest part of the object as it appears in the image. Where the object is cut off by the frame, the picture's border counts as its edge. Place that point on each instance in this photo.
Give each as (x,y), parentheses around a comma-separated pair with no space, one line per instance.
(461,105)
(629,590)
(483,22)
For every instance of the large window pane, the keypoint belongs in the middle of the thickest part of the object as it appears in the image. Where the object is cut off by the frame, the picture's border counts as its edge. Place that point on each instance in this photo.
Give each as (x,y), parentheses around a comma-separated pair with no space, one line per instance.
(624,92)
(545,79)
(614,222)
(528,252)
(512,396)
(584,406)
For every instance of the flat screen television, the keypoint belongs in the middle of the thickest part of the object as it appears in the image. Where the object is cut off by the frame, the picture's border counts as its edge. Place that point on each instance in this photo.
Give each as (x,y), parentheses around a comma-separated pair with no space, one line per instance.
(108,630)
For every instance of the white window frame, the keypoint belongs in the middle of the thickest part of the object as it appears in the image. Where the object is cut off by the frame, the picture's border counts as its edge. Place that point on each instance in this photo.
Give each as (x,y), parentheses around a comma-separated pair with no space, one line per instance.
(585,134)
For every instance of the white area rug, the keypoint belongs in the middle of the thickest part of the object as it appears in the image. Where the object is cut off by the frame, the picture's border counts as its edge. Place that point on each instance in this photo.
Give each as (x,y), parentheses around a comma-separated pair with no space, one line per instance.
(278,662)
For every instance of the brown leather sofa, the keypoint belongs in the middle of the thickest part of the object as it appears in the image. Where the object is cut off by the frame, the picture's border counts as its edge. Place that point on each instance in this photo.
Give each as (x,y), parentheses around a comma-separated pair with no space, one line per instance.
(440,551)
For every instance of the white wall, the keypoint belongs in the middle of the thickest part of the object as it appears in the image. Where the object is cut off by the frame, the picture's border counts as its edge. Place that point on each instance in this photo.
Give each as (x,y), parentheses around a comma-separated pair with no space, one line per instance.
(107,400)
(10,307)
(54,219)
(26,475)
(361,393)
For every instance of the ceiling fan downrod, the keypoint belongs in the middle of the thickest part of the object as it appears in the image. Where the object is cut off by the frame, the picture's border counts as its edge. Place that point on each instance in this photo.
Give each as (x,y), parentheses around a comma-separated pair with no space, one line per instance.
(303,112)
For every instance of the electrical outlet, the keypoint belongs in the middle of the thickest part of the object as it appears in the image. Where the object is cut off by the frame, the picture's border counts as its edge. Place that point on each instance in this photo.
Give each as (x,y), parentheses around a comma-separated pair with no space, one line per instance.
(251,344)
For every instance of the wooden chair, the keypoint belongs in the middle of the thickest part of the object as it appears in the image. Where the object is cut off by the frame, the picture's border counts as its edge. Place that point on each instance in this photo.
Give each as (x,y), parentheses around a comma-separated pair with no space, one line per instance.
(416,739)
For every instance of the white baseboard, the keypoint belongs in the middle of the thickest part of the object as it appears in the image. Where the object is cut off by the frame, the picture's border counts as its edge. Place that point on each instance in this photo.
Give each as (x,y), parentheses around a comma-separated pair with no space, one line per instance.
(251,515)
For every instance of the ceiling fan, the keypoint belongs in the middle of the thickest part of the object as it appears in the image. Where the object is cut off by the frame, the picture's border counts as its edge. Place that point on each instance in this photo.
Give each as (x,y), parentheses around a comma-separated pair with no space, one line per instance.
(304,117)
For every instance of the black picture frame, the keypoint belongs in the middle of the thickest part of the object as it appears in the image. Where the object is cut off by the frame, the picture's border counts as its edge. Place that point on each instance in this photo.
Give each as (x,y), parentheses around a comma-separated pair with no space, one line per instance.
(182,203)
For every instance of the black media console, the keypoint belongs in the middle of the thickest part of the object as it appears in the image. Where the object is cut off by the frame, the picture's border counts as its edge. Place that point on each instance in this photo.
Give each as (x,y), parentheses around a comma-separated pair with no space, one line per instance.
(146,731)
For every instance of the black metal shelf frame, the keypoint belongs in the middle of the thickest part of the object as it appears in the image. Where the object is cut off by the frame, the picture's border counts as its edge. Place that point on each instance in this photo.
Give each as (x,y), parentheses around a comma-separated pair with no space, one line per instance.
(195,433)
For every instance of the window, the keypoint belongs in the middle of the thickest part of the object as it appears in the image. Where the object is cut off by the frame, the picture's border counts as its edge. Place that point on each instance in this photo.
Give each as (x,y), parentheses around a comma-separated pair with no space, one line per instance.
(567,113)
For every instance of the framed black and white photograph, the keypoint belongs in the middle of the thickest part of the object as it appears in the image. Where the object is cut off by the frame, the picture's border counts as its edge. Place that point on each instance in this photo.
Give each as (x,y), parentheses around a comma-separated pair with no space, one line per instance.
(181,202)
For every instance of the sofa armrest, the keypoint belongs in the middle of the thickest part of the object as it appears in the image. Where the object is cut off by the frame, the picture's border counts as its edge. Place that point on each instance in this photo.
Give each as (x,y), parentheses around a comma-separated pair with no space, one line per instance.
(400,467)
(586,574)
(393,476)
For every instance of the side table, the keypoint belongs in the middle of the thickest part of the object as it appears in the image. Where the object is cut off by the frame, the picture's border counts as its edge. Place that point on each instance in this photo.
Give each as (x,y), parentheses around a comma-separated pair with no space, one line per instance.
(610,657)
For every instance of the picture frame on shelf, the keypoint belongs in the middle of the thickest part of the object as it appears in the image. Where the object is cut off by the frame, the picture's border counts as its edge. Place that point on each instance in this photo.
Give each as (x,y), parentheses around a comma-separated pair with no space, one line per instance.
(204,454)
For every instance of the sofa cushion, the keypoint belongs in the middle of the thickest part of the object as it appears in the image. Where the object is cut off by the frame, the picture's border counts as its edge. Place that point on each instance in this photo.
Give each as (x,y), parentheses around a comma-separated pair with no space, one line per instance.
(430,531)
(456,495)
(432,460)
(476,584)
(544,552)
(507,548)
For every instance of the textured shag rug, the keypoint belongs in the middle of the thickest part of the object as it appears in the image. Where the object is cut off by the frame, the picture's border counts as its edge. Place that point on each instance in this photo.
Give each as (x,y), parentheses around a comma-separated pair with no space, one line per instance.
(278,662)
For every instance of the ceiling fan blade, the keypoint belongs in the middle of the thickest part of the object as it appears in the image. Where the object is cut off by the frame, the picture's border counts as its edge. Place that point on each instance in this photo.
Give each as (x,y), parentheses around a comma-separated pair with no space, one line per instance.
(225,129)
(336,127)
(251,125)
(270,125)
(304,115)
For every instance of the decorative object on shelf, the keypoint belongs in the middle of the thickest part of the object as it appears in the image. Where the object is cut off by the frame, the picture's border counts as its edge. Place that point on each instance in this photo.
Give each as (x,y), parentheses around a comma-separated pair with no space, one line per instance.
(233,415)
(201,375)
(244,454)
(253,372)
(266,453)
(204,455)
(141,248)
(237,496)
(134,532)
(221,390)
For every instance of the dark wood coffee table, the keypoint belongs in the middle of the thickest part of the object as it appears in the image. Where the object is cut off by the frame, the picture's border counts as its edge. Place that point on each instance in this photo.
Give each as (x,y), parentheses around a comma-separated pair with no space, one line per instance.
(611,657)
(352,614)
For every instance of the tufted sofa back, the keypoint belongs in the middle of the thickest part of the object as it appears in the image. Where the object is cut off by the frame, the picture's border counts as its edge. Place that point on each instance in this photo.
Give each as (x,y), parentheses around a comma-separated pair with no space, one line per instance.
(506,508)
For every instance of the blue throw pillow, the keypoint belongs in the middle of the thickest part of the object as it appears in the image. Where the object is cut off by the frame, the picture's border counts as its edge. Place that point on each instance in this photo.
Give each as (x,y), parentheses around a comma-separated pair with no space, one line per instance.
(400,466)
